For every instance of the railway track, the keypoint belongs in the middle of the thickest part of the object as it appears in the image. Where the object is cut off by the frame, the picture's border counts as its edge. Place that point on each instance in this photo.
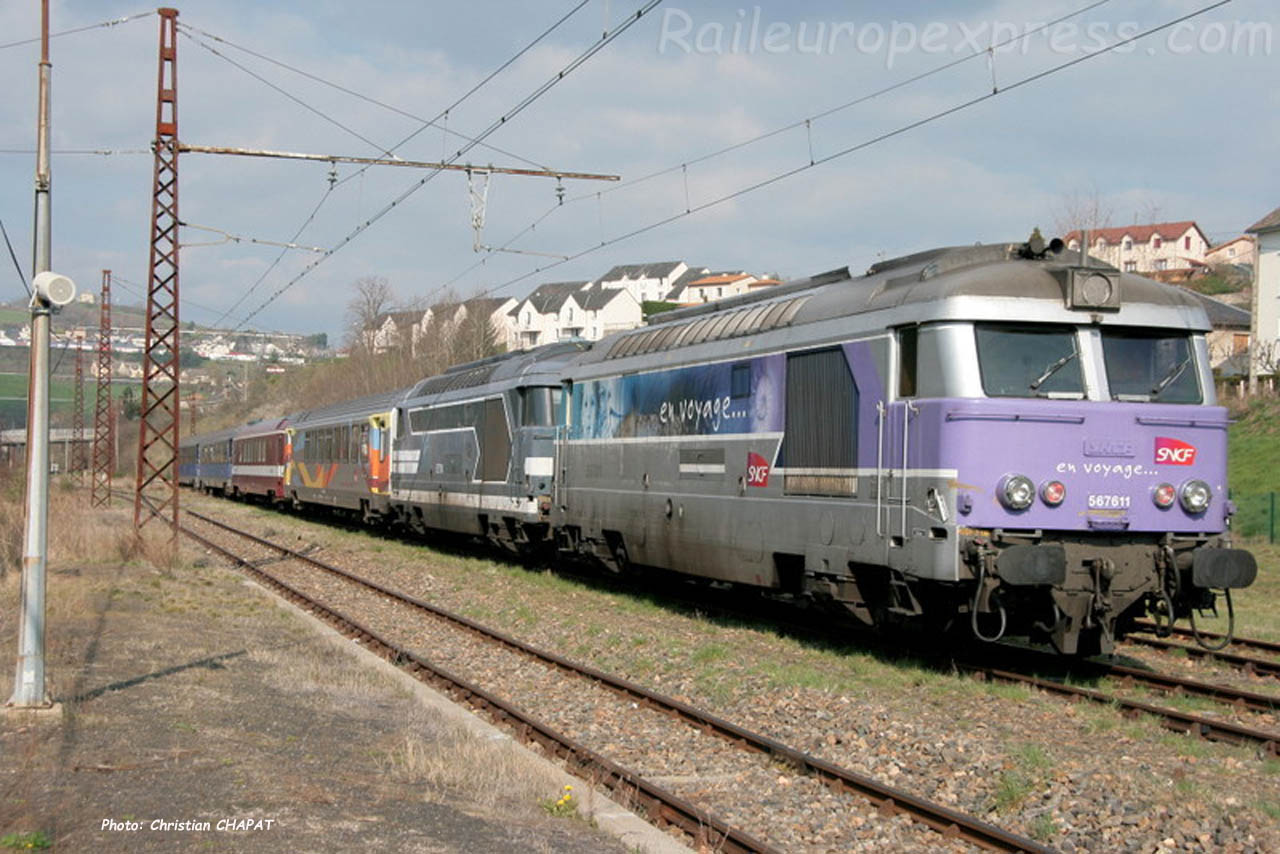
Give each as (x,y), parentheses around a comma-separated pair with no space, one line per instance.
(1247,663)
(1243,643)
(1203,726)
(662,806)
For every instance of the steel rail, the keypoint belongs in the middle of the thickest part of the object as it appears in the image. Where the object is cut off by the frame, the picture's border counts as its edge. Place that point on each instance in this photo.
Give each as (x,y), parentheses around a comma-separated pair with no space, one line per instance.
(659,805)
(1180,684)
(1179,631)
(887,799)
(1184,722)
(1260,666)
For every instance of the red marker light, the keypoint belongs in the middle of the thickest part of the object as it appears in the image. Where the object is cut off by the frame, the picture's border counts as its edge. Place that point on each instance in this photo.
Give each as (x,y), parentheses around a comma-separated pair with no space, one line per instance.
(1164,495)
(1053,493)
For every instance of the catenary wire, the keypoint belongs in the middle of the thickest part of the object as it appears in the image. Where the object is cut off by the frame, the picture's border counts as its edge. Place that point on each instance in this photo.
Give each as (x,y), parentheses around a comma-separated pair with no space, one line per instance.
(500,122)
(101,24)
(102,152)
(381,149)
(857,147)
(457,102)
(374,101)
(14,256)
(772,133)
(276,261)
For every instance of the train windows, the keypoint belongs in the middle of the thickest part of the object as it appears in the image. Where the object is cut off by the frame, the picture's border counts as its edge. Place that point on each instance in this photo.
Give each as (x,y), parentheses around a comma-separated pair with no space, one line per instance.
(1150,365)
(1029,361)
(907,361)
(922,371)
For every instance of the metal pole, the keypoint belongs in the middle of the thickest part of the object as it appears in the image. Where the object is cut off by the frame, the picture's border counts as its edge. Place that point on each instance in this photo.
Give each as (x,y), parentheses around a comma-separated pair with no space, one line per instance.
(28,687)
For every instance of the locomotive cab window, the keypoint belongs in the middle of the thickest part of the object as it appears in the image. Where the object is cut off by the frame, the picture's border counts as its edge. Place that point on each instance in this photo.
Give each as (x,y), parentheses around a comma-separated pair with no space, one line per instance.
(1029,361)
(1150,365)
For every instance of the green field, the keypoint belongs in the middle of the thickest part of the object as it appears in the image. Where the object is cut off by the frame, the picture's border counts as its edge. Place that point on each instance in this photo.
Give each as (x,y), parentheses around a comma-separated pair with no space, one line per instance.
(13,399)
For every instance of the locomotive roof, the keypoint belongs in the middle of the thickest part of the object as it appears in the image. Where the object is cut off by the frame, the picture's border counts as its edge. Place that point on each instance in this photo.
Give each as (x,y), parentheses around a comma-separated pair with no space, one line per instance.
(537,366)
(982,282)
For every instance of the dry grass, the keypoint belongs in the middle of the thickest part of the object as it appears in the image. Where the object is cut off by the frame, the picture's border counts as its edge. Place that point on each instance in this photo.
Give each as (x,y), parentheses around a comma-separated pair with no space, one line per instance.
(78,536)
(441,754)
(431,751)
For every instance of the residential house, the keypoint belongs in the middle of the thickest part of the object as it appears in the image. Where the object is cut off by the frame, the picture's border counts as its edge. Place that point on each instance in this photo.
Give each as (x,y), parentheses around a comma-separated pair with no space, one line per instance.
(1240,251)
(551,313)
(678,287)
(1165,247)
(1266,292)
(397,329)
(714,286)
(1228,341)
(607,310)
(645,281)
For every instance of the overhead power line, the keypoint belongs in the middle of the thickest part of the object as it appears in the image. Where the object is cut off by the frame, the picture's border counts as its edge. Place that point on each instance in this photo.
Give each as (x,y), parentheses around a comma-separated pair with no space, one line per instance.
(14,256)
(102,24)
(276,261)
(810,164)
(428,123)
(101,152)
(391,107)
(500,122)
(227,237)
(795,125)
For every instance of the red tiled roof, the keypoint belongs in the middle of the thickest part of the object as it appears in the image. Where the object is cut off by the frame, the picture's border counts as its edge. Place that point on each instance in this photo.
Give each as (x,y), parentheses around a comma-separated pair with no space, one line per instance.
(1139,233)
(718,279)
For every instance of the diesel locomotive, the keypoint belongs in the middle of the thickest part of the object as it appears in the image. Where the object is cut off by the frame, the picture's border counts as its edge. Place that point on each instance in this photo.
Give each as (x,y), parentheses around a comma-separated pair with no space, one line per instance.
(998,438)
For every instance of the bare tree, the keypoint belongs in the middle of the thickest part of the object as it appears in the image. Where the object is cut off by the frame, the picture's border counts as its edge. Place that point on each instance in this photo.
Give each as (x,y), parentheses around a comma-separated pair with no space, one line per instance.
(474,336)
(372,298)
(1079,209)
(1151,211)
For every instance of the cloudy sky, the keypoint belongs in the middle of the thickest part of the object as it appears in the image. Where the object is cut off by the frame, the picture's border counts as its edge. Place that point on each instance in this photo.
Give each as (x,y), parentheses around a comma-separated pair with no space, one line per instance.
(1180,125)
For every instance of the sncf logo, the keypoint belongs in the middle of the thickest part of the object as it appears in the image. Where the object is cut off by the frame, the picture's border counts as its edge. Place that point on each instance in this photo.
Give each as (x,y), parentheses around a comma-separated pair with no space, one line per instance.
(1172,452)
(757,470)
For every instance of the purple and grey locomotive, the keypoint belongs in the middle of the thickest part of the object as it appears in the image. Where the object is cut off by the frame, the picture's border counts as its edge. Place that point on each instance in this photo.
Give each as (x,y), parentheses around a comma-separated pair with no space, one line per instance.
(992,436)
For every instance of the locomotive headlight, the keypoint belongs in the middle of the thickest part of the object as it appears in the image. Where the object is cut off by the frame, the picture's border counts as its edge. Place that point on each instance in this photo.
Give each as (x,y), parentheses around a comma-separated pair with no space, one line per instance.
(1053,493)
(1164,495)
(1195,496)
(1017,492)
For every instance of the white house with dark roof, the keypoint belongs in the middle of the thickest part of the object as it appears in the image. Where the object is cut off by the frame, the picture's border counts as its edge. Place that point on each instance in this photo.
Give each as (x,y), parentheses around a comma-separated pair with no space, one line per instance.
(551,313)
(1266,292)
(559,311)
(397,329)
(645,281)
(678,287)
(1156,248)
(607,310)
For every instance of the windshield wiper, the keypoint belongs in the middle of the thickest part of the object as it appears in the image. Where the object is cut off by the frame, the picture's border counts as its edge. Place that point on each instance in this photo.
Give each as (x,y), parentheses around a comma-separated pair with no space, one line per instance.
(1052,369)
(1173,374)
